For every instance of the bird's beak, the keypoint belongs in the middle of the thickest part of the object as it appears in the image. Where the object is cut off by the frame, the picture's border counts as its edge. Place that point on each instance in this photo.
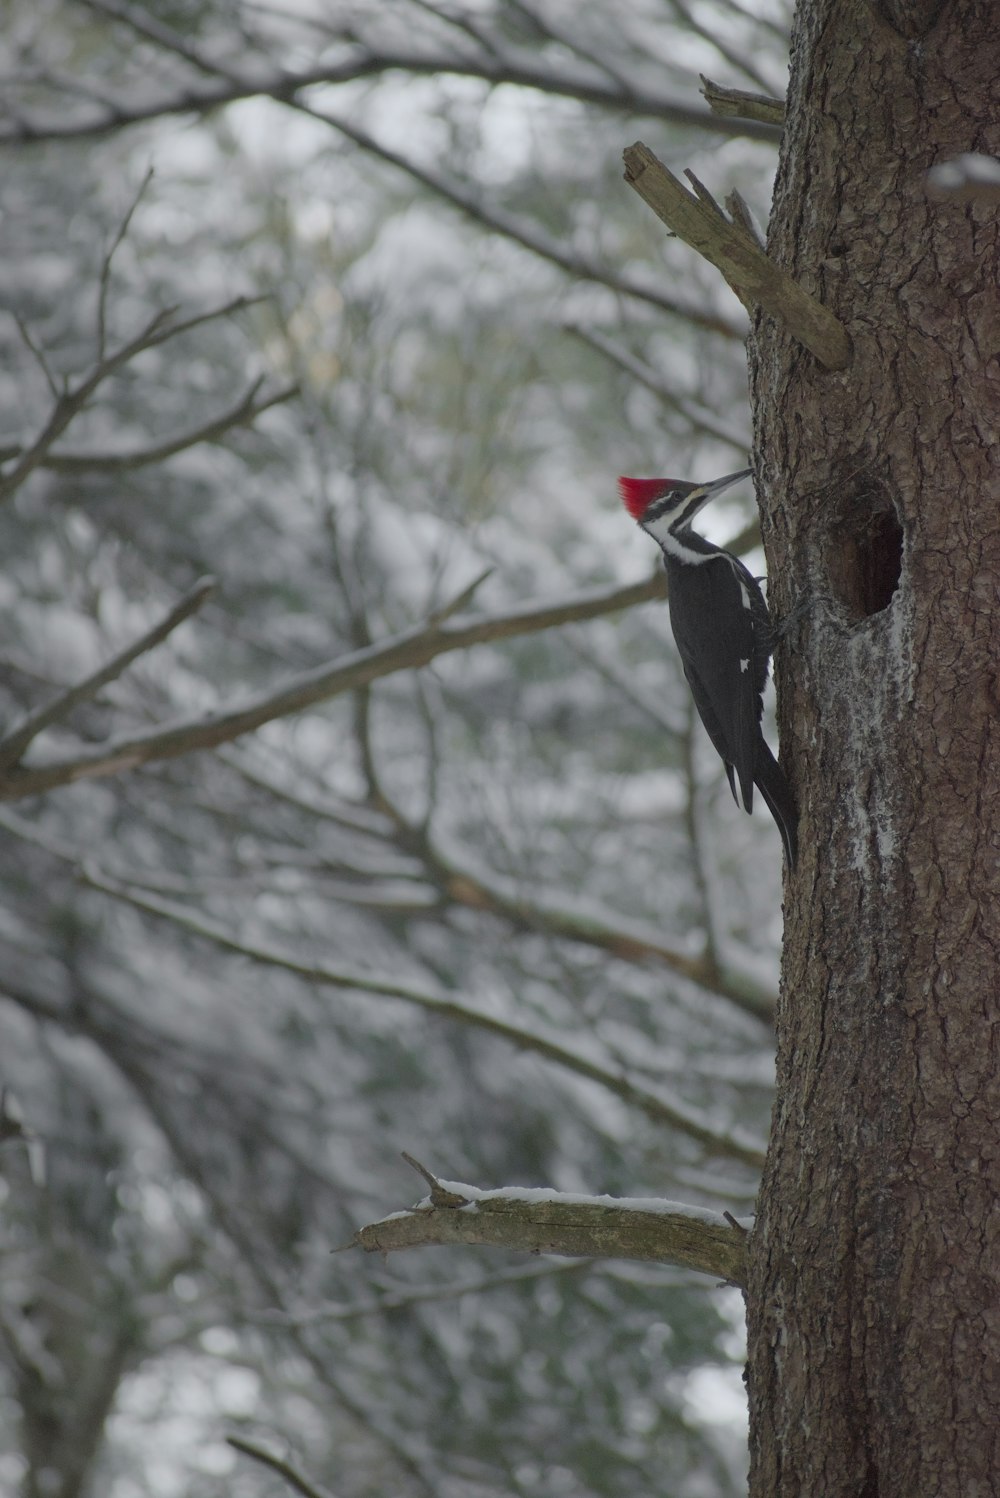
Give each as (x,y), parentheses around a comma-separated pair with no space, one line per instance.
(717,485)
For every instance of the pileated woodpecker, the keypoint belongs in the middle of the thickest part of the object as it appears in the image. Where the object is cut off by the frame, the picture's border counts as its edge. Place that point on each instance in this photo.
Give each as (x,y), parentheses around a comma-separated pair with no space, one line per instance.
(723,633)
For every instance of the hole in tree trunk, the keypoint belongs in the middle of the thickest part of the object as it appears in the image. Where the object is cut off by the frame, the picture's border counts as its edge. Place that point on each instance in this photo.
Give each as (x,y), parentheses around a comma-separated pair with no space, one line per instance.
(865,547)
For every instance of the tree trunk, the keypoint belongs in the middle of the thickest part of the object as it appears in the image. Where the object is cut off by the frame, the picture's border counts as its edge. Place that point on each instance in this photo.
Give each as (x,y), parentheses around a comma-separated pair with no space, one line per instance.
(874,1302)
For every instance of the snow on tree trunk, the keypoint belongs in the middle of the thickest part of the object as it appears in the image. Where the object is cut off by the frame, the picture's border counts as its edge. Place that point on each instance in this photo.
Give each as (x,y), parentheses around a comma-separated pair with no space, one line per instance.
(874,1304)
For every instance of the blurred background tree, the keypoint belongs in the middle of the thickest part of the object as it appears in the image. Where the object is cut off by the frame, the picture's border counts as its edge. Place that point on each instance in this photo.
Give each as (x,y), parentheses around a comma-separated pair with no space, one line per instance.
(383,323)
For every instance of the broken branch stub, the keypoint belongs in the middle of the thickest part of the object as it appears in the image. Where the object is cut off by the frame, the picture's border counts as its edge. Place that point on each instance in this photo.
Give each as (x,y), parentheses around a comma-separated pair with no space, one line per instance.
(756,280)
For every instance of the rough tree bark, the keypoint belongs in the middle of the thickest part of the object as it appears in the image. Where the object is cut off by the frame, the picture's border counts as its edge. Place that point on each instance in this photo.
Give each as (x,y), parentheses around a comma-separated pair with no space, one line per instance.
(874,1298)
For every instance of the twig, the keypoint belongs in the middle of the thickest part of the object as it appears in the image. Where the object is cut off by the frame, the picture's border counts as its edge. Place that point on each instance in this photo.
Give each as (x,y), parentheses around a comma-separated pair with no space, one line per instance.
(465,24)
(736,103)
(697,415)
(38,354)
(628,939)
(12,1117)
(102,295)
(461,600)
(12,1126)
(291,1474)
(14,744)
(440,1195)
(754,277)
(551,1222)
(152,30)
(72,399)
(566,36)
(494,219)
(739,57)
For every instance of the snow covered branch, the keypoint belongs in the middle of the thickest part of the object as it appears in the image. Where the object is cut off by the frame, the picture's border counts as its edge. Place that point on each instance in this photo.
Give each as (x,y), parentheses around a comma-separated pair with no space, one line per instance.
(403,652)
(553,1222)
(696,218)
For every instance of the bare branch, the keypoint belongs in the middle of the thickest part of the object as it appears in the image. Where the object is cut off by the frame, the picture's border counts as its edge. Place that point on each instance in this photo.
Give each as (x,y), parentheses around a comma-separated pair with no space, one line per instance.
(403,652)
(14,744)
(566,36)
(72,400)
(674,1113)
(291,1475)
(573,918)
(245,411)
(737,103)
(12,1126)
(284,90)
(739,212)
(523,68)
(697,415)
(737,57)
(464,24)
(153,30)
(701,223)
(567,917)
(550,1222)
(527,235)
(440,1195)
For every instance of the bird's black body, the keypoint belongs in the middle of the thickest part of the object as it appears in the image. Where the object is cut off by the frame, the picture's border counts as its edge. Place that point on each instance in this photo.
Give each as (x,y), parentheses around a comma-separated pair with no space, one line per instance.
(724,636)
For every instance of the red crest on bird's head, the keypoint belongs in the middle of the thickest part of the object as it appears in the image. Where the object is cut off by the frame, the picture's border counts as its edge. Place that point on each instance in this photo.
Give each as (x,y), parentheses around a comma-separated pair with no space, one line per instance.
(638,494)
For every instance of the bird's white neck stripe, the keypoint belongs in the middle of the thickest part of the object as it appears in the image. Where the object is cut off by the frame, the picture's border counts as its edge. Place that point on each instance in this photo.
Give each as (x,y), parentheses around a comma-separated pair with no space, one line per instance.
(674,545)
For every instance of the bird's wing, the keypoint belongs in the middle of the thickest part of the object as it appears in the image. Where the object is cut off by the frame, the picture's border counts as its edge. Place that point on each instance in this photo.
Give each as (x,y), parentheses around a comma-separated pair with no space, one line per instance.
(723,672)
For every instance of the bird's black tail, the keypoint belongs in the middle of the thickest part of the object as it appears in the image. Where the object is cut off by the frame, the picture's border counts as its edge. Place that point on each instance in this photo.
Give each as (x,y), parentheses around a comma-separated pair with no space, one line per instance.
(773,786)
